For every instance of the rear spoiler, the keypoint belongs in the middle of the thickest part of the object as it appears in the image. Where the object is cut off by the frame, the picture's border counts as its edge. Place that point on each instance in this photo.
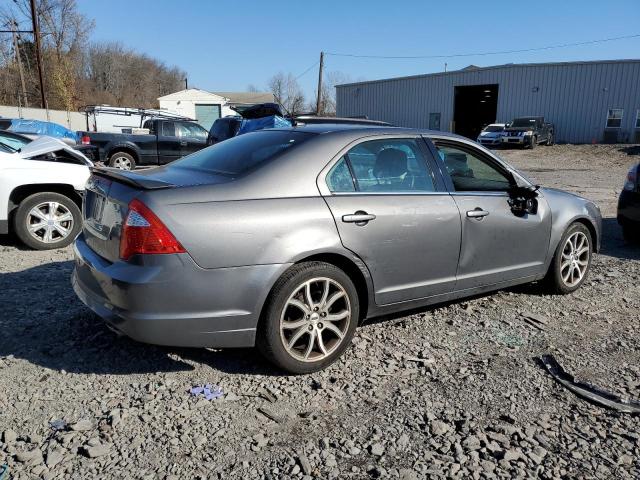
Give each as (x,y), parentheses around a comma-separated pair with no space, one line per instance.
(130,178)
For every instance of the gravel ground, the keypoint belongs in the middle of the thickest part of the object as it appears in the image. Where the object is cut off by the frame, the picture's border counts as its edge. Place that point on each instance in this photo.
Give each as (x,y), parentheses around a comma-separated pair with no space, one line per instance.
(453,391)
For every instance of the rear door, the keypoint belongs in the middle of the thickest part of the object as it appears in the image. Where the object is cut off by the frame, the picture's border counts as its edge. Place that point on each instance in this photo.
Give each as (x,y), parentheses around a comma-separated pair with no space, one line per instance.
(169,143)
(392,210)
(497,244)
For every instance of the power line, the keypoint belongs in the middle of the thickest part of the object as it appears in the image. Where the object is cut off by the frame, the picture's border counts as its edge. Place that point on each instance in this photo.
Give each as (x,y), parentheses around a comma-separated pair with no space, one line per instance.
(480,54)
(307,70)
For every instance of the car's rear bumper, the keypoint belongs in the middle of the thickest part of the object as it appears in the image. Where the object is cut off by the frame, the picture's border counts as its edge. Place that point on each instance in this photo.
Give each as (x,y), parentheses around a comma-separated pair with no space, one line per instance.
(629,207)
(169,300)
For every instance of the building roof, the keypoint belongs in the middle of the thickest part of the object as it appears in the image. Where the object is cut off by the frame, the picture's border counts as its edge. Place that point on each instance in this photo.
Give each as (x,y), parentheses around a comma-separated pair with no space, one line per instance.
(247,97)
(475,69)
(193,94)
(220,97)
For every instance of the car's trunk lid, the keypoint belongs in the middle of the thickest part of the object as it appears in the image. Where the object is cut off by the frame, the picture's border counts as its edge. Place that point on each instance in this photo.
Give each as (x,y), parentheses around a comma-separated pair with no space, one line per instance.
(109,191)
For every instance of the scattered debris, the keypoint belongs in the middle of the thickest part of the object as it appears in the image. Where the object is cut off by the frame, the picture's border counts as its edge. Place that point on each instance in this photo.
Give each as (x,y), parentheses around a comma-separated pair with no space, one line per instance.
(4,471)
(83,425)
(587,391)
(207,391)
(535,320)
(58,424)
(271,415)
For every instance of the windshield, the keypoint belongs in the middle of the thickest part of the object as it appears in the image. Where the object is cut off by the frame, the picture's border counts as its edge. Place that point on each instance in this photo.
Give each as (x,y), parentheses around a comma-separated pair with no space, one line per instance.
(524,122)
(494,128)
(240,154)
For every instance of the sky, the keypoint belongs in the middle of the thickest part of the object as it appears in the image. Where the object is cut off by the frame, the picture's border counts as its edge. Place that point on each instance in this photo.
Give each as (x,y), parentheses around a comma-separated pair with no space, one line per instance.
(229,45)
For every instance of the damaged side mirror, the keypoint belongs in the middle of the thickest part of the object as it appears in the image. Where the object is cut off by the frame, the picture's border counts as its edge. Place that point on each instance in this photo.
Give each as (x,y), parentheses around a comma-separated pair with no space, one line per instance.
(523,200)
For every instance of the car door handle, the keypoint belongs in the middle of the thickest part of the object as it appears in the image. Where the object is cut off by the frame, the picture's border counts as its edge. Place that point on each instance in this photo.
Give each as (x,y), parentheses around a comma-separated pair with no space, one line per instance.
(183,143)
(477,213)
(359,218)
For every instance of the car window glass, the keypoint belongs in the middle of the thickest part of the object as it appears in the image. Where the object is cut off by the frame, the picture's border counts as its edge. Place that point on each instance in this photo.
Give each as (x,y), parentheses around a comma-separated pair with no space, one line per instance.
(339,178)
(470,172)
(243,153)
(191,130)
(393,165)
(168,129)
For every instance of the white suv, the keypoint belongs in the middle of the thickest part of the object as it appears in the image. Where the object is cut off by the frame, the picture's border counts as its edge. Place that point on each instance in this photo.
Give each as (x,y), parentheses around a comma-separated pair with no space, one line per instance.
(41,186)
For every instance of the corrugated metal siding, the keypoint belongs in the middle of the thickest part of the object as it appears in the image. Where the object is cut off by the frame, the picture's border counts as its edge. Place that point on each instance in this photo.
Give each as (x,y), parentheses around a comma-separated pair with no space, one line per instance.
(574,96)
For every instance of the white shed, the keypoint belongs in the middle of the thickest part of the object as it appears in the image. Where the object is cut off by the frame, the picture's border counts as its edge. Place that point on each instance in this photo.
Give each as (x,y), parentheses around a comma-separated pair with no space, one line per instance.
(205,106)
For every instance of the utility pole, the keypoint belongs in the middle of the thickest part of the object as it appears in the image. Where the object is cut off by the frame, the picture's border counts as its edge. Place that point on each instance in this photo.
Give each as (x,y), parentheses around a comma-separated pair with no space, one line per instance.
(186,84)
(36,36)
(319,99)
(19,60)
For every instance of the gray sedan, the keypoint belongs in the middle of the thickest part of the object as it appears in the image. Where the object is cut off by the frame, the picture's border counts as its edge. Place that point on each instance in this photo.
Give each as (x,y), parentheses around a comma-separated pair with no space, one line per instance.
(287,239)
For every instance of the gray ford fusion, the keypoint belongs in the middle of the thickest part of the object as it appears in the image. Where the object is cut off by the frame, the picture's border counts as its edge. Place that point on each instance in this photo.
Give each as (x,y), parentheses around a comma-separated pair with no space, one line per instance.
(287,239)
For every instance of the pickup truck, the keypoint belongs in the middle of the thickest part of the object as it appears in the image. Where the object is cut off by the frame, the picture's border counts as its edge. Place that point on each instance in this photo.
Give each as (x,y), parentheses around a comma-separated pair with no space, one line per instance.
(528,132)
(166,141)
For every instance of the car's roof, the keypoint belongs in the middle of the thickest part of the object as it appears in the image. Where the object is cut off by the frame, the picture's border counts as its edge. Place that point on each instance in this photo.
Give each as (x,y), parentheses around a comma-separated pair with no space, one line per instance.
(364,130)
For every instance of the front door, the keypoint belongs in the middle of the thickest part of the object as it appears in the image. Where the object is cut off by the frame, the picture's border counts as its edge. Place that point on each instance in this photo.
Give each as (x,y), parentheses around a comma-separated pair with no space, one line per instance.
(192,137)
(393,212)
(497,244)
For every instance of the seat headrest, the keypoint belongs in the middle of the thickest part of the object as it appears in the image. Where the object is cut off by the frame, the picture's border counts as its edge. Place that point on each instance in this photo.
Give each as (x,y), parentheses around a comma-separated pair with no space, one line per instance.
(390,162)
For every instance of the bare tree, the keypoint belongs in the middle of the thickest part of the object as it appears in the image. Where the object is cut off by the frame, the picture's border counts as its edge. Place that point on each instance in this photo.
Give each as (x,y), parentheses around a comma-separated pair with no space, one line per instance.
(328,100)
(77,73)
(287,92)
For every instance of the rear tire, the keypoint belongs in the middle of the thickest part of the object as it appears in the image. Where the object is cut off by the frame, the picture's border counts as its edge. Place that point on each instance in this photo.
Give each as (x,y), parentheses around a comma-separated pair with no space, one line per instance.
(572,260)
(122,160)
(310,318)
(47,220)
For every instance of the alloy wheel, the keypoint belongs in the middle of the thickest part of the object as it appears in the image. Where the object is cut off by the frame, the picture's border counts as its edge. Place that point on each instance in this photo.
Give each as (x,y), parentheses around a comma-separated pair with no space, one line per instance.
(315,319)
(50,222)
(575,259)
(123,163)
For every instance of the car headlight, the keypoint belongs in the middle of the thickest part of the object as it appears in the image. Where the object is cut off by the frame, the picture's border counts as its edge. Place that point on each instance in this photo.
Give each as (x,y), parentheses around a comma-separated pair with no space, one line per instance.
(528,133)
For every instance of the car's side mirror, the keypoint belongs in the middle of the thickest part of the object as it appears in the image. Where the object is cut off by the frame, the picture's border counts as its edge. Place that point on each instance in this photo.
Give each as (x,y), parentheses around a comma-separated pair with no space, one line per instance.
(523,200)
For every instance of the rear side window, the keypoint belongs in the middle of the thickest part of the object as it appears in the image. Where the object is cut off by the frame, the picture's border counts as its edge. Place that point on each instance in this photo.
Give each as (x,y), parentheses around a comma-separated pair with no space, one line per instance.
(168,129)
(241,154)
(383,166)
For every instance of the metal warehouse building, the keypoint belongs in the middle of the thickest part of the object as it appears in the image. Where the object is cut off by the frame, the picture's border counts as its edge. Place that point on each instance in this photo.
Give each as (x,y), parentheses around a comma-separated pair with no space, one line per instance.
(588,102)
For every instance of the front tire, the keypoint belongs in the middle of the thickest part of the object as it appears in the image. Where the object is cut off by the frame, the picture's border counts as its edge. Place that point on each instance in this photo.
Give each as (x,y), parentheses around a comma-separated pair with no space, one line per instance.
(310,318)
(47,220)
(122,160)
(550,139)
(572,260)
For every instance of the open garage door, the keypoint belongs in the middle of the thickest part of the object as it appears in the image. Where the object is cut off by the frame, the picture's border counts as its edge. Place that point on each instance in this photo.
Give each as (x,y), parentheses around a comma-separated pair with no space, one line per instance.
(474,107)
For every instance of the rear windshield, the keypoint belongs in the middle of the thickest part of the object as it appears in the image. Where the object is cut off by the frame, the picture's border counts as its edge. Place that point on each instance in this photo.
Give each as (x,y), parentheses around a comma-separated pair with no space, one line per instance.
(240,154)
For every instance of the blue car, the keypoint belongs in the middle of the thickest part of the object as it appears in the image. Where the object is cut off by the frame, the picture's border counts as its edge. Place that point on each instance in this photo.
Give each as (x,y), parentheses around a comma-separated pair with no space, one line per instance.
(39,127)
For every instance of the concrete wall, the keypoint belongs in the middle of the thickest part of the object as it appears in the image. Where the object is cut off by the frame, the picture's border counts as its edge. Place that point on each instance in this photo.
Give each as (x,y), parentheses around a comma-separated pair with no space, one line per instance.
(574,96)
(72,120)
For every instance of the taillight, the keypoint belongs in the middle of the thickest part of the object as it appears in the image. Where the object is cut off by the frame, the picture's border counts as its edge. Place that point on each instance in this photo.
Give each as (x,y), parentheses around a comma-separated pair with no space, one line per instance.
(632,178)
(85,140)
(144,233)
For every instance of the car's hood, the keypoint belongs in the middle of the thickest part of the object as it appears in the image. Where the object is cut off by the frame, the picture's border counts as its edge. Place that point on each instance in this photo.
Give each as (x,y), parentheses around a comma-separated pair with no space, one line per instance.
(44,145)
(490,134)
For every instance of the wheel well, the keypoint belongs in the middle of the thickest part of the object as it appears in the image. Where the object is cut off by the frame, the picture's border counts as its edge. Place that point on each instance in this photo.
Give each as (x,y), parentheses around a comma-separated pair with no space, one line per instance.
(592,230)
(128,150)
(23,191)
(350,268)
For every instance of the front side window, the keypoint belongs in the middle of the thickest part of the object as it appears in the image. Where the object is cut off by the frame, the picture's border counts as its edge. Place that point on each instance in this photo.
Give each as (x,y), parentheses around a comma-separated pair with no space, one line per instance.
(614,118)
(382,166)
(638,119)
(470,172)
(191,130)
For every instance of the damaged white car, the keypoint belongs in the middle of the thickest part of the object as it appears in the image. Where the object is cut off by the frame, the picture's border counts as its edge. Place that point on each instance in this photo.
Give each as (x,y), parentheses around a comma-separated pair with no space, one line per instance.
(41,187)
